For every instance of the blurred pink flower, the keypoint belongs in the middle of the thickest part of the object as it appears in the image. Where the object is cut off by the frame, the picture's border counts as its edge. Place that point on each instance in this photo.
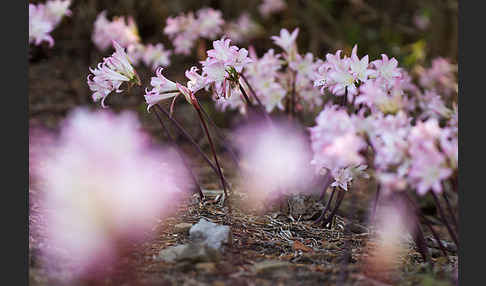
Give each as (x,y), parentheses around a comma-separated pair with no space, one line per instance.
(421,21)
(268,7)
(274,159)
(210,22)
(440,77)
(40,25)
(110,74)
(428,165)
(103,183)
(155,56)
(395,226)
(124,31)
(185,29)
(57,9)
(334,140)
(244,28)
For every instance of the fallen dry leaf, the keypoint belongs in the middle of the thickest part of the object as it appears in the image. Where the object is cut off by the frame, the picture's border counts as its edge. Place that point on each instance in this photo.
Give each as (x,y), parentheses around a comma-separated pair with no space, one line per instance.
(297,245)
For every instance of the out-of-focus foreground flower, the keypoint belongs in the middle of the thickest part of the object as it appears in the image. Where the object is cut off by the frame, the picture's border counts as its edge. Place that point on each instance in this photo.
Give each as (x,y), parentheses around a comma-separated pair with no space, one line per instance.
(103,184)
(394,229)
(275,160)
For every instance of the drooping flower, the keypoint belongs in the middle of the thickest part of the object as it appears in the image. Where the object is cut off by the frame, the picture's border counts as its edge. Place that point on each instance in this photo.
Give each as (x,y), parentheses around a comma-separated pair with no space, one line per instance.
(110,74)
(163,88)
(196,80)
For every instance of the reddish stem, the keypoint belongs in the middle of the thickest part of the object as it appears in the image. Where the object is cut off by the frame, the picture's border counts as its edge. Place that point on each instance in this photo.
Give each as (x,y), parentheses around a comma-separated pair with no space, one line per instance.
(188,137)
(197,107)
(442,215)
(193,177)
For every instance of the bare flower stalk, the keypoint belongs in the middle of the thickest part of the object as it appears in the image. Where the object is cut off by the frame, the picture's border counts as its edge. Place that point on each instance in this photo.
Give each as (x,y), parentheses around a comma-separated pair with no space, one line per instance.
(419,235)
(444,219)
(326,207)
(193,177)
(449,209)
(336,207)
(346,257)
(211,144)
(260,107)
(375,203)
(251,89)
(188,137)
(327,182)
(434,234)
(221,136)
(292,95)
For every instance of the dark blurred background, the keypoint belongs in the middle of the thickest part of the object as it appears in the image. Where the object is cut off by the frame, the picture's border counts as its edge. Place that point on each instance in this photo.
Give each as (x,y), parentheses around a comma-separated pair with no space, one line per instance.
(413,31)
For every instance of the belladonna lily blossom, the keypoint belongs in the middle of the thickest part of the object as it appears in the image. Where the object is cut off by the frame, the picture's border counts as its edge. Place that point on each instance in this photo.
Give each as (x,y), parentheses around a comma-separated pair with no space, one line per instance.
(387,68)
(223,64)
(360,68)
(104,184)
(287,41)
(336,145)
(155,56)
(429,166)
(163,88)
(111,74)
